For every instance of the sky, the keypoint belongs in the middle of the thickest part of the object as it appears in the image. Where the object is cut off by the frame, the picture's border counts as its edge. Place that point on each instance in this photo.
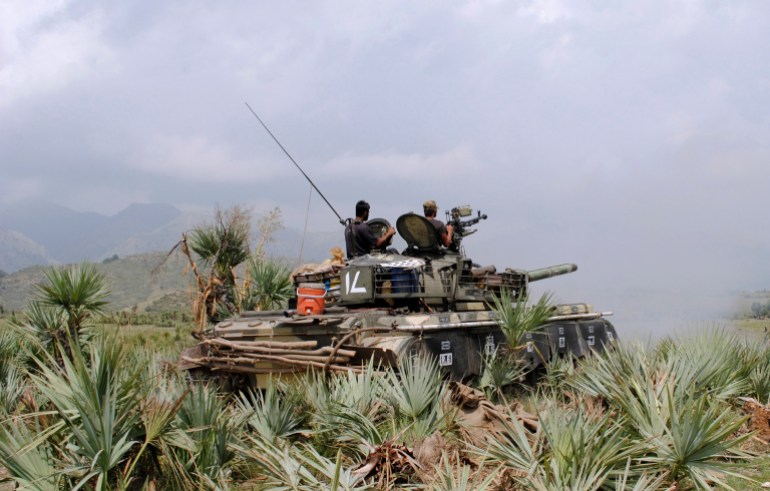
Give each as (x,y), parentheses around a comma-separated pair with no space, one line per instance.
(632,138)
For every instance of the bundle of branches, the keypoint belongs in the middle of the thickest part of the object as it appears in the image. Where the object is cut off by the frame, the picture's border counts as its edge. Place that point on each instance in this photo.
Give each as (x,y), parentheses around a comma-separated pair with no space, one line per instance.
(290,356)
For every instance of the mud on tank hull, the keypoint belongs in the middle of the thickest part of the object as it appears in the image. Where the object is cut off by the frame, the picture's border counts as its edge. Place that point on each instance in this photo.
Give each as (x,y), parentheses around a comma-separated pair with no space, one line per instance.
(258,346)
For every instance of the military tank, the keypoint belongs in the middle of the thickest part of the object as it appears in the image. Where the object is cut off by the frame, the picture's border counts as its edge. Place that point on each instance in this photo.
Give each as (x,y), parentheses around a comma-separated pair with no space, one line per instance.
(387,305)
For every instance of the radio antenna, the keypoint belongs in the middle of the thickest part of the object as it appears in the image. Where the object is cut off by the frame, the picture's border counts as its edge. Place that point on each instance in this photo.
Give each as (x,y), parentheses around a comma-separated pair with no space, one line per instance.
(296,164)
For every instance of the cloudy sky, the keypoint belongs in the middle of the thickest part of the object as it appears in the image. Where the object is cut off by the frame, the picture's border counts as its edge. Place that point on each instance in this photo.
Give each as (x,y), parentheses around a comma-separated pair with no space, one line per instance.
(629,137)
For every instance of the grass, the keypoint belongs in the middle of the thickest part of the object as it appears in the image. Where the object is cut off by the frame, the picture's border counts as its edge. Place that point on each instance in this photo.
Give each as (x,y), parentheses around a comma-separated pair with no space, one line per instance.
(319,430)
(644,417)
(163,340)
(758,470)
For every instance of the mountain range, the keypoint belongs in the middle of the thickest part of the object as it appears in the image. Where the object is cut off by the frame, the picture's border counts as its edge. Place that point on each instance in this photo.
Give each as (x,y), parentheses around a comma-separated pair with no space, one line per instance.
(49,234)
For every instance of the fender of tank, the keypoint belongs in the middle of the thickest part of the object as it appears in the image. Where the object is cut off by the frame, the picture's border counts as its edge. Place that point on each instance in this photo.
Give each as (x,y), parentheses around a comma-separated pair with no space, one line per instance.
(387,305)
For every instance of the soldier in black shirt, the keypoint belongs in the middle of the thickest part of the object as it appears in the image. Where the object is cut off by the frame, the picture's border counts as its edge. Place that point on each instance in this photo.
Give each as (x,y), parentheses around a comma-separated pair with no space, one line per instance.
(359,240)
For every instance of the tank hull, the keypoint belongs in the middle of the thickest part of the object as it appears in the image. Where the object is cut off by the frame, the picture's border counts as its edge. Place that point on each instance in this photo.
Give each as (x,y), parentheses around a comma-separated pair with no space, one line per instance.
(282,344)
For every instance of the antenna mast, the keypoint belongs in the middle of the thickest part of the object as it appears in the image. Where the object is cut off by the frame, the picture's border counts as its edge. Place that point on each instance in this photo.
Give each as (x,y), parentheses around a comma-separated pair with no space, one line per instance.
(296,164)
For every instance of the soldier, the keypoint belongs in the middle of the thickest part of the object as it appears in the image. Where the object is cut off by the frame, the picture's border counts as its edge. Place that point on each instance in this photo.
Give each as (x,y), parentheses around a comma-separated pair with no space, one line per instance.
(444,232)
(359,240)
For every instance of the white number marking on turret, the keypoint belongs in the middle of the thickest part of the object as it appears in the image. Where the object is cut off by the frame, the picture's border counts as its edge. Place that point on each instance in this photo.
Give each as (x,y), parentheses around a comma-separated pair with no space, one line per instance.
(354,288)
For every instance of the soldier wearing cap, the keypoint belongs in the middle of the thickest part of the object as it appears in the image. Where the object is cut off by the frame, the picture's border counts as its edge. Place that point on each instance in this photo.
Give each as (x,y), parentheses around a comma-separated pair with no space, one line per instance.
(444,232)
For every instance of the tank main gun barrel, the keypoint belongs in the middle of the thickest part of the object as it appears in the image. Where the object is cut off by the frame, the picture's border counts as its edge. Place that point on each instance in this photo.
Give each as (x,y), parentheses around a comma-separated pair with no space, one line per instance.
(558,270)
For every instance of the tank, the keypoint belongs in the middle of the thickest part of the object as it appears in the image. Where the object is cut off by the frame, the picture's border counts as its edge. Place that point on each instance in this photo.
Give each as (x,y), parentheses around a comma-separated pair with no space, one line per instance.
(387,305)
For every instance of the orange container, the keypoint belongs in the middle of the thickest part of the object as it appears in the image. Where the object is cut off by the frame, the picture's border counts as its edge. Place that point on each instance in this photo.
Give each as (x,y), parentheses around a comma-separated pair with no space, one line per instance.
(311,299)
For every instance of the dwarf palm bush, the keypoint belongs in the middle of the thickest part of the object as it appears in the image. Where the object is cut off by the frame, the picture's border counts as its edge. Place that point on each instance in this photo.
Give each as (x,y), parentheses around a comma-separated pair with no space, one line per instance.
(357,434)
(573,449)
(79,291)
(268,284)
(675,411)
(459,477)
(498,372)
(363,391)
(698,442)
(95,400)
(12,386)
(608,374)
(25,453)
(415,388)
(557,370)
(270,414)
(415,393)
(40,326)
(89,432)
(16,347)
(759,380)
(219,247)
(714,362)
(348,410)
(201,450)
(296,468)
(104,409)
(516,318)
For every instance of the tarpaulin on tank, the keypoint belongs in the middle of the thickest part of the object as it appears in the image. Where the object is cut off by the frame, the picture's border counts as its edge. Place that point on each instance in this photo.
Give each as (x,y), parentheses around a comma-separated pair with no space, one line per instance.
(388,261)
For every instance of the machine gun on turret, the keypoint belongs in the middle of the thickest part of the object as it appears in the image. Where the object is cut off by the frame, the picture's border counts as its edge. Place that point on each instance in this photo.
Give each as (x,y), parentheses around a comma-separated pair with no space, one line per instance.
(461,225)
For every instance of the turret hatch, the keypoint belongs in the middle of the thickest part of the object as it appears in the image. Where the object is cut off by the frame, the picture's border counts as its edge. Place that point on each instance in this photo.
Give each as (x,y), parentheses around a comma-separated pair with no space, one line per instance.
(420,235)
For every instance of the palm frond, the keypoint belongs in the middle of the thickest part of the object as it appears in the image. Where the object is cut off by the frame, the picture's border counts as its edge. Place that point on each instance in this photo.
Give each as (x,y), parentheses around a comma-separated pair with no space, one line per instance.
(78,290)
(460,477)
(516,318)
(269,414)
(268,284)
(27,456)
(500,371)
(415,388)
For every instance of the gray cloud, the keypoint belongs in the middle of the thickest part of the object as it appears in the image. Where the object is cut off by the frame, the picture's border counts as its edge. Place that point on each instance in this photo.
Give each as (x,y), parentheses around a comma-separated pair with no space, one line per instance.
(631,138)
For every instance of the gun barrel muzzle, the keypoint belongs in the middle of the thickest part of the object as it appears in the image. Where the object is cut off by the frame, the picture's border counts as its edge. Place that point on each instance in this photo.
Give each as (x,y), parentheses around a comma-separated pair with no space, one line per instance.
(543,273)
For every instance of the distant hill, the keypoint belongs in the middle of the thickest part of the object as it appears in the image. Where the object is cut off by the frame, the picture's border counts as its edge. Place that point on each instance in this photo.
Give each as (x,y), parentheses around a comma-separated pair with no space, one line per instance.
(59,234)
(45,234)
(131,281)
(153,281)
(18,250)
(37,236)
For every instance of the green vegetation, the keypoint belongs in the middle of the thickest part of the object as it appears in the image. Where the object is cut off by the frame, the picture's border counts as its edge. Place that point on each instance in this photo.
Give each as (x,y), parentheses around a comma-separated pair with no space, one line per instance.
(216,250)
(135,282)
(219,248)
(268,285)
(110,412)
(760,310)
(90,398)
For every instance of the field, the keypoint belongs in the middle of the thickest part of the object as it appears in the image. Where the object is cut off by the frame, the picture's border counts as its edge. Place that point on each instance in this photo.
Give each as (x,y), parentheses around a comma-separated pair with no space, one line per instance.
(287,427)
(92,399)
